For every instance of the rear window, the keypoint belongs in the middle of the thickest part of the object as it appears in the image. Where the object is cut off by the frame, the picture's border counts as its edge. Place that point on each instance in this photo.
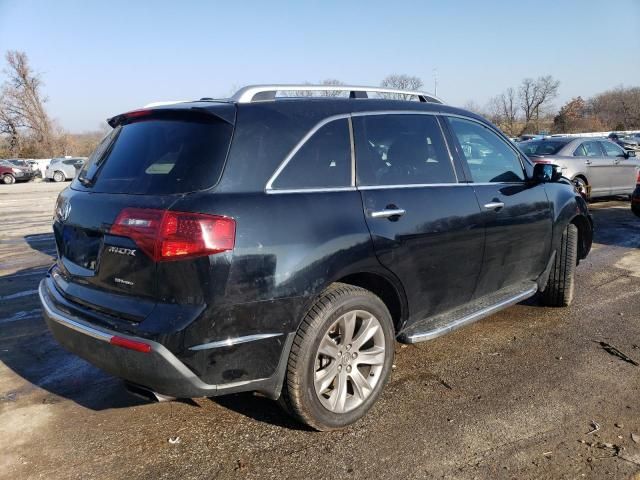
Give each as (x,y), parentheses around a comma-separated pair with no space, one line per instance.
(542,147)
(159,156)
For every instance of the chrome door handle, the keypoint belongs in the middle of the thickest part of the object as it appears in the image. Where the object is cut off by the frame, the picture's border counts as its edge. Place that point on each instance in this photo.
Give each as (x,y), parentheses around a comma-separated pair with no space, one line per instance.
(493,205)
(387,213)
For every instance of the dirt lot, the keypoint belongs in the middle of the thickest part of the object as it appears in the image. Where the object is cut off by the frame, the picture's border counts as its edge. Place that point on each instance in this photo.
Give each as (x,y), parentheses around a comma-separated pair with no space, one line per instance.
(512,396)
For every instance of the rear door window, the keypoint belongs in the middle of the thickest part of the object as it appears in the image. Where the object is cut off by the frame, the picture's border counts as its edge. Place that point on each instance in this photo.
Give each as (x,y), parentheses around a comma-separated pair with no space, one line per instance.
(592,149)
(160,156)
(490,159)
(323,161)
(401,149)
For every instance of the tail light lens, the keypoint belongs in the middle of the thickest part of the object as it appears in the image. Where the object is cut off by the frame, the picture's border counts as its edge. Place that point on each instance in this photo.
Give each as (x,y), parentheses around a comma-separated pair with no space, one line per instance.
(165,235)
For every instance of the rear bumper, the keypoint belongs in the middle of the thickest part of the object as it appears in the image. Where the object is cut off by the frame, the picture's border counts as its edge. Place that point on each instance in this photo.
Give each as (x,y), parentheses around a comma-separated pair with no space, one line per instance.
(158,370)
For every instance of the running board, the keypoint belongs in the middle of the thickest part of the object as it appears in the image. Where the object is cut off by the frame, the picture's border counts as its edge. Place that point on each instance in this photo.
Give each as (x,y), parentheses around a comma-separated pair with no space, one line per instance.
(443,323)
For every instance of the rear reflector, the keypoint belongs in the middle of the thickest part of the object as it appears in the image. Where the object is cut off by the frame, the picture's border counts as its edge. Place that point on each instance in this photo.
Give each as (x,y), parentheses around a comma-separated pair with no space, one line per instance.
(166,235)
(130,344)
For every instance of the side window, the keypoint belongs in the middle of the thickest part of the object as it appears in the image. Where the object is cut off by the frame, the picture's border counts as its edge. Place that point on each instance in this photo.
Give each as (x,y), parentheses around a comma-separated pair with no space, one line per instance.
(490,158)
(580,152)
(401,149)
(69,162)
(612,150)
(324,161)
(592,149)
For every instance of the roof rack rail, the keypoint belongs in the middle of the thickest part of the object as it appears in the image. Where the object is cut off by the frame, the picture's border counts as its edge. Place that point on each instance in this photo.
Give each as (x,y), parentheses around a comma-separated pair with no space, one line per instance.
(256,93)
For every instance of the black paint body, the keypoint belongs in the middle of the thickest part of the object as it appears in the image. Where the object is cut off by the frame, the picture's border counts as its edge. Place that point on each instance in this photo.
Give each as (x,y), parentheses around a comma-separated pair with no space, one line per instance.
(289,247)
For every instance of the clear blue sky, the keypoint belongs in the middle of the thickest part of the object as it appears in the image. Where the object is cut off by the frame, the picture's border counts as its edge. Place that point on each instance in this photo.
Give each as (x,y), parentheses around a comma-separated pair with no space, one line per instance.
(100,58)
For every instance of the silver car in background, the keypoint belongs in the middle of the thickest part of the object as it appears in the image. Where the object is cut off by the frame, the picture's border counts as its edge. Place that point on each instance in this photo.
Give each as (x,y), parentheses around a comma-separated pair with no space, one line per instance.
(61,169)
(598,167)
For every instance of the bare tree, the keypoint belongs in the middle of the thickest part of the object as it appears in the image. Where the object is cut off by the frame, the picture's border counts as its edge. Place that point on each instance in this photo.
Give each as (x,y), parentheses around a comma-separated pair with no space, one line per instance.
(22,102)
(312,93)
(618,109)
(535,96)
(401,82)
(330,82)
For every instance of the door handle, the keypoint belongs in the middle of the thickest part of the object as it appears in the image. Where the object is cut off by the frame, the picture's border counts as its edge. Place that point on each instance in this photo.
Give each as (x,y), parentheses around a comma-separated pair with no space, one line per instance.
(493,205)
(388,213)
(588,162)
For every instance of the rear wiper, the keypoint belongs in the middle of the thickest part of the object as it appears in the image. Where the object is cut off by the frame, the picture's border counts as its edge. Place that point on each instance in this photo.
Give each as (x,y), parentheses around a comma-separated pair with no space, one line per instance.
(87,182)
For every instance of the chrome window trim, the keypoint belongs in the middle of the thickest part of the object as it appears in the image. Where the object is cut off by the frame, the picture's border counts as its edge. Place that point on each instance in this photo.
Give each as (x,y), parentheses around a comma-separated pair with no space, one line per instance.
(310,190)
(392,112)
(353,187)
(352,143)
(269,186)
(411,185)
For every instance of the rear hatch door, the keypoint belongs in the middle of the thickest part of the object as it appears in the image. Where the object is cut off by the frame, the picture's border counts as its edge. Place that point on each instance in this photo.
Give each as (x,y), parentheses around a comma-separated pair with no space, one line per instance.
(147,163)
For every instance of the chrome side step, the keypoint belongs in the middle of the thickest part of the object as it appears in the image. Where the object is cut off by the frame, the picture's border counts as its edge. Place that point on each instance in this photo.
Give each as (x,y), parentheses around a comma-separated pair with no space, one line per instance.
(442,324)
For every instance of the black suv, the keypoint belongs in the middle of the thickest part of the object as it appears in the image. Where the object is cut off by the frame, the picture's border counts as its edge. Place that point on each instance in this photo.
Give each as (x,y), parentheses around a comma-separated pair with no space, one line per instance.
(281,245)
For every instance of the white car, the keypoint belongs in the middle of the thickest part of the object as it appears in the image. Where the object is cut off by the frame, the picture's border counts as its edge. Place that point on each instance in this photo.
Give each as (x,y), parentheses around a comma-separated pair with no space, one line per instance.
(61,169)
(599,167)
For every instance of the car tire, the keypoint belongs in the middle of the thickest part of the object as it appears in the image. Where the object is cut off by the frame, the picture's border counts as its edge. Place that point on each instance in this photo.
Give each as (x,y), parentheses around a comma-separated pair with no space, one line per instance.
(58,176)
(8,179)
(327,384)
(561,282)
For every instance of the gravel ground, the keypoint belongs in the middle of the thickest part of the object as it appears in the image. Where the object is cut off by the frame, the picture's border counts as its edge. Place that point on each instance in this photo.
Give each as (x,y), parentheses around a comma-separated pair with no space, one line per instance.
(512,396)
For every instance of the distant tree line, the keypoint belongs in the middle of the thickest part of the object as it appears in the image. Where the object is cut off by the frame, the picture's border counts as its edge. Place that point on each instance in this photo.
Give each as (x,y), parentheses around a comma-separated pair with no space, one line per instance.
(27,131)
(529,108)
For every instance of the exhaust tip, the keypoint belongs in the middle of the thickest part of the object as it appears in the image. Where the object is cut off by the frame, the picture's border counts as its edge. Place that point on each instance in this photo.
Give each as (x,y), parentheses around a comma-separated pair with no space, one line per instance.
(147,394)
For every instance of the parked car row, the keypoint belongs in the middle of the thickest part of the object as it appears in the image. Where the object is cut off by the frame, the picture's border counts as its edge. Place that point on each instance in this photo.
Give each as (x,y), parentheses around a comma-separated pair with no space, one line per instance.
(598,167)
(61,169)
(58,169)
(12,171)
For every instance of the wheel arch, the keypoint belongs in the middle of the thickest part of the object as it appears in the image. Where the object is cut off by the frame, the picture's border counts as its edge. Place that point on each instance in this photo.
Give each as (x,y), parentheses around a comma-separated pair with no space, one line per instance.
(10,176)
(585,234)
(389,291)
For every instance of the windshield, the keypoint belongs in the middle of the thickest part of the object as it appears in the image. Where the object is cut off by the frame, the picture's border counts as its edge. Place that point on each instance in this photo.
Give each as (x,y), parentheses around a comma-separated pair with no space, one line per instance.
(159,156)
(543,147)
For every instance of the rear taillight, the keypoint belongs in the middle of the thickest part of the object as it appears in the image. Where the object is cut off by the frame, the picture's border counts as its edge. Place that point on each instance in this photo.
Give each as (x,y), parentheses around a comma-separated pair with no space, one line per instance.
(638,179)
(166,235)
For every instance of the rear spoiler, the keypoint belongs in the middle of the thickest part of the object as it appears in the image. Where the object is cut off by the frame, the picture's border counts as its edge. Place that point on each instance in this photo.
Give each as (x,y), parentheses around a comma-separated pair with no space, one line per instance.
(222,111)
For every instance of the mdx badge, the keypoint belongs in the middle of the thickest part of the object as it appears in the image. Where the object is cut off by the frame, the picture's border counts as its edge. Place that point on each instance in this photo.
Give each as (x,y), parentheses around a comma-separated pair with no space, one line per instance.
(122,251)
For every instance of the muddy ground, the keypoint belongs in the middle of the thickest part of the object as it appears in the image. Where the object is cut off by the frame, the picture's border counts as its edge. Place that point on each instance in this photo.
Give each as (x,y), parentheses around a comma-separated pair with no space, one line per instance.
(512,396)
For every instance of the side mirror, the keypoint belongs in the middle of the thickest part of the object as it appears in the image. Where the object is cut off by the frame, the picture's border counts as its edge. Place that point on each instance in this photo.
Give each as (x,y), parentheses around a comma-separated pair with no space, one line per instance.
(546,172)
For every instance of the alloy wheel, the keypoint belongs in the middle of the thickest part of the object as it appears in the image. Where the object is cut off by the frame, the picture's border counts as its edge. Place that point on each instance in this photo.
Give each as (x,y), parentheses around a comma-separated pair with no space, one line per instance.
(349,361)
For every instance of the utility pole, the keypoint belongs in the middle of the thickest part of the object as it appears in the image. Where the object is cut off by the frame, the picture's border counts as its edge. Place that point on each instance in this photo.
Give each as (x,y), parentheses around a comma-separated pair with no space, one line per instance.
(435,82)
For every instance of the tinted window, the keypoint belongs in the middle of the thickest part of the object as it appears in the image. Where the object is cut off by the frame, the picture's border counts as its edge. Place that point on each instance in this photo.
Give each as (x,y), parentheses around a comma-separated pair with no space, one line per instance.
(612,150)
(69,162)
(542,147)
(490,158)
(324,161)
(580,151)
(160,156)
(592,149)
(401,150)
